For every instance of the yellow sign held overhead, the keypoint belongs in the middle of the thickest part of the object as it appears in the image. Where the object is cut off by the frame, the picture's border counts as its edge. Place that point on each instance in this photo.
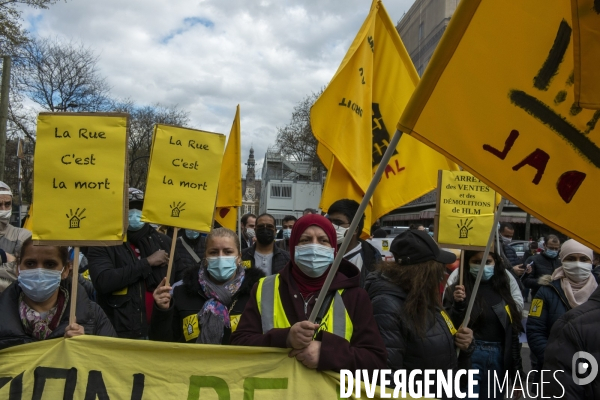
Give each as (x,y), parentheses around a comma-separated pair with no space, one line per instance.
(183,177)
(501,102)
(79,179)
(466,210)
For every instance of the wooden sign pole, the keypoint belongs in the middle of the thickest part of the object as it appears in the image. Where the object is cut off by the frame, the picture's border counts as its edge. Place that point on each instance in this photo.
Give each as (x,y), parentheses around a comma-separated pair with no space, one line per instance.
(461,267)
(74,284)
(172,255)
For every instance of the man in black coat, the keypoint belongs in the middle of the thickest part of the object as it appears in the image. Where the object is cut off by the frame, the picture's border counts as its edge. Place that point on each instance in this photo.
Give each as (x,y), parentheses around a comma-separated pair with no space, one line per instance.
(359,252)
(542,264)
(189,249)
(576,331)
(264,255)
(125,276)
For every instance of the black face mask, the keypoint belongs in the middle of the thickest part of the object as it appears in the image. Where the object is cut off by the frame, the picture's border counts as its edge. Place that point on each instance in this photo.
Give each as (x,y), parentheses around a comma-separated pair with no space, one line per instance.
(265,236)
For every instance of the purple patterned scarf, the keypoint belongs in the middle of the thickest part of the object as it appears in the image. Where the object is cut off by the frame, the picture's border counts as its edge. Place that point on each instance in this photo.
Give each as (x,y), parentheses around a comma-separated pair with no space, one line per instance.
(213,318)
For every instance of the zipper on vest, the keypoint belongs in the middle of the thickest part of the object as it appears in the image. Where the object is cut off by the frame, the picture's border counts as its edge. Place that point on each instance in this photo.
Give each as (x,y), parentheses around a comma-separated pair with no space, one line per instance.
(306,303)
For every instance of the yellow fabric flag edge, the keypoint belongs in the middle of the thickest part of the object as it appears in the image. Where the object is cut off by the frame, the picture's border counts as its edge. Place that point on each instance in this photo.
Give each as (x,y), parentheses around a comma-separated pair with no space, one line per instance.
(459,23)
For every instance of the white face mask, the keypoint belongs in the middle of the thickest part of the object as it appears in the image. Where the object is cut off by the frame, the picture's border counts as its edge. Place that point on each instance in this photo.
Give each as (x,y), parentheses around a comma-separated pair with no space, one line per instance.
(5,215)
(340,233)
(577,271)
(250,233)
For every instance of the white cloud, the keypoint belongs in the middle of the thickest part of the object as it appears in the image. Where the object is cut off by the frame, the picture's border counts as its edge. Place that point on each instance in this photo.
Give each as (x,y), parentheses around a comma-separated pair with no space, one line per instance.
(209,55)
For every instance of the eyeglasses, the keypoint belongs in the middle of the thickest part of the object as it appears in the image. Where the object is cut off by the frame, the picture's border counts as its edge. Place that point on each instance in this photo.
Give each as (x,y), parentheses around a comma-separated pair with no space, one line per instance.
(265,226)
(139,195)
(337,223)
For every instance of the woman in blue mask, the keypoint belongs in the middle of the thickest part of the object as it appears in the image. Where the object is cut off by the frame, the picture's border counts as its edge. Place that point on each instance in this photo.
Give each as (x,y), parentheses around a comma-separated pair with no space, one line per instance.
(495,321)
(206,305)
(276,315)
(36,306)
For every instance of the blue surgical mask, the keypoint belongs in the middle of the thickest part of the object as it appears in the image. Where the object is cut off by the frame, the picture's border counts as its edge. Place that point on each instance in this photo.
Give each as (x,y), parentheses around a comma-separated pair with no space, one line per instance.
(313,259)
(221,268)
(192,235)
(40,283)
(135,220)
(488,271)
(551,253)
(287,233)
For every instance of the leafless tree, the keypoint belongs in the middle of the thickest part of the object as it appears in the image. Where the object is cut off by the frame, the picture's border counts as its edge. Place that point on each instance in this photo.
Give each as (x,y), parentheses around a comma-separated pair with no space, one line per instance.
(62,76)
(142,121)
(12,34)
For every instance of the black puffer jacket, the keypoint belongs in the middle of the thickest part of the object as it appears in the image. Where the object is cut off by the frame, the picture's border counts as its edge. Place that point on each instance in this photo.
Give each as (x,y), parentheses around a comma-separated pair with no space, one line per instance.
(575,331)
(511,255)
(186,260)
(405,348)
(121,280)
(280,258)
(542,265)
(88,314)
(179,323)
(371,257)
(549,304)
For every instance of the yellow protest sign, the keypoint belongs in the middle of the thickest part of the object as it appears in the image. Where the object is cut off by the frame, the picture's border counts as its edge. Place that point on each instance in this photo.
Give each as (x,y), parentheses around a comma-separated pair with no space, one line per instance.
(501,103)
(183,177)
(354,117)
(79,184)
(466,210)
(97,367)
(586,51)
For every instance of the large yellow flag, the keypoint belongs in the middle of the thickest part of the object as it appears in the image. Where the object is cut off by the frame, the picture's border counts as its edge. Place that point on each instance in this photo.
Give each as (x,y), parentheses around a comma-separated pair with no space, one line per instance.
(230,181)
(586,37)
(498,97)
(353,117)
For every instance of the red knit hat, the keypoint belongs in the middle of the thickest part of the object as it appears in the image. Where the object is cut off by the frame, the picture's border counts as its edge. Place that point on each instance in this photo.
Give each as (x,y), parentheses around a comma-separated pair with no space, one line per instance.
(309,220)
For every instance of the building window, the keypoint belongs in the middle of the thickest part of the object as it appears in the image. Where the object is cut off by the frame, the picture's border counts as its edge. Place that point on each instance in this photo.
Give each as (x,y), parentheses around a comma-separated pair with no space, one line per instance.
(420,31)
(281,191)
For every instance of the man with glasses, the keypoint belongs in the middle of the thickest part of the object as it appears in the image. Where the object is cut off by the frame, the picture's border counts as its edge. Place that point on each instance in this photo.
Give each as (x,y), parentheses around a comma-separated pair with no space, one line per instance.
(11,239)
(264,255)
(125,276)
(543,264)
(360,253)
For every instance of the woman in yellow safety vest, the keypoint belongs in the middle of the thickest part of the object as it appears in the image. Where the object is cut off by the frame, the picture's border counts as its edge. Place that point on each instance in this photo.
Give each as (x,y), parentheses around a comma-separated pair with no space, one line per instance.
(277,312)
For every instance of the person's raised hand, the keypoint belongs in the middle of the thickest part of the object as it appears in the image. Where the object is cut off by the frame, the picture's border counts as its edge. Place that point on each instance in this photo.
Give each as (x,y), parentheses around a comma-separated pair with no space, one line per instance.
(309,356)
(517,269)
(459,293)
(162,295)
(158,259)
(301,334)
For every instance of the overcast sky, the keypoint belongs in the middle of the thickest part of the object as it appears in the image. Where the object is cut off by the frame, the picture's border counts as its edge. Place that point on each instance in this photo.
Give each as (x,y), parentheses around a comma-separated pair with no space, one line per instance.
(206,56)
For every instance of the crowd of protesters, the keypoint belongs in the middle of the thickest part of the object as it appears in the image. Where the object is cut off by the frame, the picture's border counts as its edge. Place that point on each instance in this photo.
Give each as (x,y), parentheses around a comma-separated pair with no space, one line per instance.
(259,288)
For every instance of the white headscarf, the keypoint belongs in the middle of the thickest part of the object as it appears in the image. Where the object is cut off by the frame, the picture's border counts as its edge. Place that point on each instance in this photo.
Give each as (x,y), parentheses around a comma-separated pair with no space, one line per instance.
(5,189)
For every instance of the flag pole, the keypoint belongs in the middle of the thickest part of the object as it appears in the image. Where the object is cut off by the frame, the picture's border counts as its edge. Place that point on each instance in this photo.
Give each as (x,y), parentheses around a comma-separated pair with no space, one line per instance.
(482,265)
(355,221)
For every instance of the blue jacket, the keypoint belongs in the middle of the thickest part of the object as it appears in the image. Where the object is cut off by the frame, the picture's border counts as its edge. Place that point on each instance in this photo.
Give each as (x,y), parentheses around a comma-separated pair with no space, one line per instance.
(548,305)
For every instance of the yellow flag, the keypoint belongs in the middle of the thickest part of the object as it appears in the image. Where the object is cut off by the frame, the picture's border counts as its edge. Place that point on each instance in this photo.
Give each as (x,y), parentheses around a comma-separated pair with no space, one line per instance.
(28,224)
(501,103)
(230,181)
(353,117)
(586,49)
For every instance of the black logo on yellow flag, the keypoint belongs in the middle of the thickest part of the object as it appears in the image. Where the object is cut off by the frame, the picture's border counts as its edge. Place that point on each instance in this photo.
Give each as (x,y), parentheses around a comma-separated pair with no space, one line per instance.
(570,181)
(75,218)
(381,136)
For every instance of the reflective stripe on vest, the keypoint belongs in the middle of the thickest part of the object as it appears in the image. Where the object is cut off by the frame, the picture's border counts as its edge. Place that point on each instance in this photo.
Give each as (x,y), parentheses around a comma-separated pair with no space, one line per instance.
(336,320)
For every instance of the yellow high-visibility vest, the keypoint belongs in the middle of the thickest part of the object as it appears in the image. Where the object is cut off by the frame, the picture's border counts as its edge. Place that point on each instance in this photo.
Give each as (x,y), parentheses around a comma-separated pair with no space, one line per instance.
(336,320)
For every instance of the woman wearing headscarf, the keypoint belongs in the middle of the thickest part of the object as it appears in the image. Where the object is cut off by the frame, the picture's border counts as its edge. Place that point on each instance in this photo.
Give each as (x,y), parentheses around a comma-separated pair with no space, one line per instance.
(206,305)
(568,287)
(495,321)
(417,332)
(277,313)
